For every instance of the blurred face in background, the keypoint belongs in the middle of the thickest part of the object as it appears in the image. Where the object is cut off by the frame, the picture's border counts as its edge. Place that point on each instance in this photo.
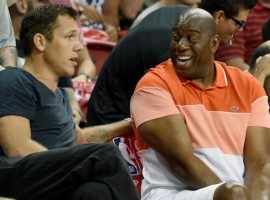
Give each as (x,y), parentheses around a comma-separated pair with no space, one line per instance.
(229,25)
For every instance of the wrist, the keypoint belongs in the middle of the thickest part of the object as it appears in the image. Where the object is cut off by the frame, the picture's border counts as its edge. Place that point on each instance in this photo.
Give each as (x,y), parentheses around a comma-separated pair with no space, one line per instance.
(79,112)
(129,121)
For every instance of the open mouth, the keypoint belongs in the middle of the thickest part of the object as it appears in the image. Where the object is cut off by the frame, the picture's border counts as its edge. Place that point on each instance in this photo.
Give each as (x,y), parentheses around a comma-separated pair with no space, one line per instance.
(74,61)
(183,59)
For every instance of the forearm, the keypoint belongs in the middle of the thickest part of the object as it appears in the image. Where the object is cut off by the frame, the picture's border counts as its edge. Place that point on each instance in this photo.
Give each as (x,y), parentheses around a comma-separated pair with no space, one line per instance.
(257,181)
(195,172)
(103,133)
(131,8)
(260,76)
(24,149)
(110,11)
(86,65)
(8,56)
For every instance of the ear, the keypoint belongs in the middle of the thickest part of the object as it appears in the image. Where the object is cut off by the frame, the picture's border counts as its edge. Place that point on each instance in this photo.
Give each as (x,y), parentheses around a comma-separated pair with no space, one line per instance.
(22,6)
(40,42)
(215,43)
(219,16)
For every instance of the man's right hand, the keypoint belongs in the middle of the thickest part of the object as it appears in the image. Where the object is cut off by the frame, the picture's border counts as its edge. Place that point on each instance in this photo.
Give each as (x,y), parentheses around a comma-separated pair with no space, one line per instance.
(262,68)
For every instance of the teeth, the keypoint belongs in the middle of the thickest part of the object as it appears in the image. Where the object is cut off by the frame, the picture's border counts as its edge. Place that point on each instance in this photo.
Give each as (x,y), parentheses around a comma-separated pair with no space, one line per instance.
(184,57)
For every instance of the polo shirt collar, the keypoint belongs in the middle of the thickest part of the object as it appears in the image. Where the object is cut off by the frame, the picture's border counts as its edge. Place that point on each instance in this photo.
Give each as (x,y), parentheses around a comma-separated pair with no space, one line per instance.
(220,79)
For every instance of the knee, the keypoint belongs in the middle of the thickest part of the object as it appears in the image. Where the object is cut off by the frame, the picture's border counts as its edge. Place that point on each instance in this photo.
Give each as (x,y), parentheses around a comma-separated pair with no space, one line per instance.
(92,191)
(231,191)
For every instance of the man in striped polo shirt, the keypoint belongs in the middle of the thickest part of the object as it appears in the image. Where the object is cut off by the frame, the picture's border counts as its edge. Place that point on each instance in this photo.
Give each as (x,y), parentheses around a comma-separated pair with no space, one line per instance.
(202,126)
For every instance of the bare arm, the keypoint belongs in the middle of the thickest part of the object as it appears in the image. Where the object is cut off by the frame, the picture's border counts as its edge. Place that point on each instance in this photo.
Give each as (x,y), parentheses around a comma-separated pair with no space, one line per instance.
(86,67)
(111,11)
(170,137)
(90,12)
(131,8)
(15,137)
(104,133)
(8,56)
(257,162)
(238,62)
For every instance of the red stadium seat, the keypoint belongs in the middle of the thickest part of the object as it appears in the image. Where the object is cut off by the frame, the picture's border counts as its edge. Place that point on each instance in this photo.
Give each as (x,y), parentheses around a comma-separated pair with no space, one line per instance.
(99,51)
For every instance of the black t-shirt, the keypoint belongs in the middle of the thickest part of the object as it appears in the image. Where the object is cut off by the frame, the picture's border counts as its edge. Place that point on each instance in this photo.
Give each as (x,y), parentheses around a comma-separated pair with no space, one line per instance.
(143,47)
(49,112)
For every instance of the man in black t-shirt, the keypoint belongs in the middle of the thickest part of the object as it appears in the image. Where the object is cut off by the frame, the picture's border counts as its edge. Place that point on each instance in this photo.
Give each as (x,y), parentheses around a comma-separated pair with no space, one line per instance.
(40,157)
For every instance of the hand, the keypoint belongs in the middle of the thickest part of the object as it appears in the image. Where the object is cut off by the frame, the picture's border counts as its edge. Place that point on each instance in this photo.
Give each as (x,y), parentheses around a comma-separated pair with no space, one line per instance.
(81,78)
(262,65)
(262,68)
(112,32)
(90,13)
(77,116)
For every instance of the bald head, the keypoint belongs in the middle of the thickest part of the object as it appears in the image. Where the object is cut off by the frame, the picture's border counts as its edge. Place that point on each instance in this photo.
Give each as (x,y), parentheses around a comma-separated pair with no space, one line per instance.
(193,44)
(198,16)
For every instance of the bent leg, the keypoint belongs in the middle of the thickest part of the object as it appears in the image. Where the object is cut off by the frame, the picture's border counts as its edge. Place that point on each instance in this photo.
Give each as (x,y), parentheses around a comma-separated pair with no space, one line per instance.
(55,174)
(92,191)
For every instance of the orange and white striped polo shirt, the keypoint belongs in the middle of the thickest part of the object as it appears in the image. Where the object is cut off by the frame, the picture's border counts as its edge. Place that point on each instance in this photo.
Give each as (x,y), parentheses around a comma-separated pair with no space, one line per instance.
(217,118)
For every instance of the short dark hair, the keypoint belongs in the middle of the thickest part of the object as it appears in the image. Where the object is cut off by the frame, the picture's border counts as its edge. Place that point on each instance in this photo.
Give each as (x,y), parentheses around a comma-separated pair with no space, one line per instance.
(266,31)
(230,7)
(42,20)
(259,51)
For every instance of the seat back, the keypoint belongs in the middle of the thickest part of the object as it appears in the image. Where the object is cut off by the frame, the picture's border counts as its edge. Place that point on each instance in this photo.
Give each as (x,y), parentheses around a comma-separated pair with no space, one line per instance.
(99,50)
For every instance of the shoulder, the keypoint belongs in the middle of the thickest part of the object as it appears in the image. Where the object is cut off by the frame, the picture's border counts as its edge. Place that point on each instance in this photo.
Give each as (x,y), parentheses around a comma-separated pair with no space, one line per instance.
(16,79)
(14,75)
(161,76)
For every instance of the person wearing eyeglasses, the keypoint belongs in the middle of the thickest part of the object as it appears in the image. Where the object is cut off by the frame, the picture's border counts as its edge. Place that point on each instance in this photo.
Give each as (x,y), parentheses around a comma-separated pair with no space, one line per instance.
(244,43)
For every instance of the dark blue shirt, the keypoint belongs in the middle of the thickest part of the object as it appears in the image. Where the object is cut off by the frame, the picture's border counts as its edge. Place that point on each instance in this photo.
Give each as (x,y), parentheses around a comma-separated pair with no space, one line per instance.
(49,112)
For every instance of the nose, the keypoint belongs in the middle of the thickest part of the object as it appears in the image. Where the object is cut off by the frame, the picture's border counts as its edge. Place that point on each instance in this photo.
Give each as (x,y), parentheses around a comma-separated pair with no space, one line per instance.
(182,44)
(78,46)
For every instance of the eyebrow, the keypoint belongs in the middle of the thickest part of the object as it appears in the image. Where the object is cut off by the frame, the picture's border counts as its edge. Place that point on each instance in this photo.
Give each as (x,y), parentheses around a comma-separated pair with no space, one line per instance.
(183,27)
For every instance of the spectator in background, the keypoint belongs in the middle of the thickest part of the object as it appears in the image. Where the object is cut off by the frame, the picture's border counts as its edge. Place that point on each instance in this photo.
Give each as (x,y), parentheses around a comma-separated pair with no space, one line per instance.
(92,16)
(160,4)
(260,66)
(39,155)
(244,43)
(121,13)
(202,127)
(145,46)
(8,56)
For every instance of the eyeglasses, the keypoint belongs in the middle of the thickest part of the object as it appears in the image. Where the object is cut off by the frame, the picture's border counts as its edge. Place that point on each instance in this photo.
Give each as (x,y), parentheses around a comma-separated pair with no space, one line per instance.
(241,24)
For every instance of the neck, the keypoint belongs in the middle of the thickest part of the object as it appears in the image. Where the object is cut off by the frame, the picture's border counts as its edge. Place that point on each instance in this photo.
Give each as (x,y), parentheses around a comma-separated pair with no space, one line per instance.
(208,80)
(41,72)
